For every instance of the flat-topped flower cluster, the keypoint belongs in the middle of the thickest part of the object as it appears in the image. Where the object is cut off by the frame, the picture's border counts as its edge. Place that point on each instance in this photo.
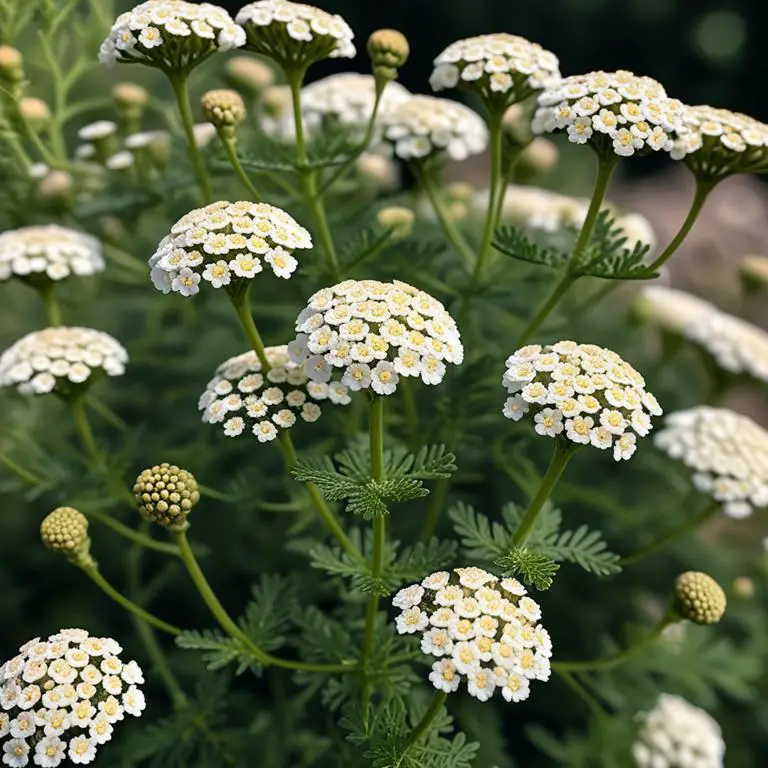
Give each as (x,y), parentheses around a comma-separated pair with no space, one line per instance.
(480,629)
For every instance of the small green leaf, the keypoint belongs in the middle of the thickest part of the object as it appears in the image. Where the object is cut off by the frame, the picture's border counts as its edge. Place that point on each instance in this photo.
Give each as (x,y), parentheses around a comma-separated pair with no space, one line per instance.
(532,567)
(513,242)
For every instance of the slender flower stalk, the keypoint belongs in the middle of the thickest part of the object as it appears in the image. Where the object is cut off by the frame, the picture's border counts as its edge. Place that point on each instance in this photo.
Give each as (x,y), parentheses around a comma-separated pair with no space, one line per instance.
(52,310)
(21,472)
(77,406)
(231,151)
(137,537)
(591,702)
(422,727)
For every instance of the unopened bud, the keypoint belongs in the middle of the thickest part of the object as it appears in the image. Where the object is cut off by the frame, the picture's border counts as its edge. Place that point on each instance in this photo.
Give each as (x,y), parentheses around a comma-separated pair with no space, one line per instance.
(754,272)
(388,50)
(398,219)
(225,109)
(699,598)
(65,530)
(130,101)
(516,125)
(57,186)
(377,171)
(744,587)
(165,495)
(251,76)
(460,190)
(35,112)
(11,65)
(276,100)
(540,156)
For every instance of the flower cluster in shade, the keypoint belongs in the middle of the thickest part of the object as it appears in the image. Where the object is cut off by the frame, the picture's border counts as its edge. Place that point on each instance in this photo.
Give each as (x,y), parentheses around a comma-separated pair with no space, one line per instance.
(675,734)
(670,309)
(48,251)
(372,333)
(244,399)
(60,359)
(480,629)
(171,34)
(295,34)
(727,453)
(60,699)
(224,244)
(422,126)
(500,67)
(619,112)
(583,393)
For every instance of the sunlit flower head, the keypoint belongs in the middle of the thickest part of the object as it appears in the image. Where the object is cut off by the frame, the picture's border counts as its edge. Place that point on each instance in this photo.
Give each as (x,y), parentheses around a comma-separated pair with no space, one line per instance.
(670,309)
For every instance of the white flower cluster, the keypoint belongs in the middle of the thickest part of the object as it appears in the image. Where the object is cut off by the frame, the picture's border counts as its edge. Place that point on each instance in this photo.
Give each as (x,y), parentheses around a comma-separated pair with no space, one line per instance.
(425,125)
(224,244)
(580,392)
(479,629)
(60,358)
(675,734)
(373,333)
(628,113)
(170,33)
(295,33)
(60,698)
(671,309)
(727,452)
(498,66)
(49,250)
(244,399)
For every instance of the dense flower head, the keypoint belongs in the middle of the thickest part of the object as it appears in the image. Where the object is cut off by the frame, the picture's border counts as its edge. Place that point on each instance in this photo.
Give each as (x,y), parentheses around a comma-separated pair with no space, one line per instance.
(372,333)
(581,393)
(480,629)
(171,34)
(224,244)
(616,112)
(699,598)
(727,452)
(501,67)
(388,50)
(49,252)
(60,699)
(224,108)
(295,34)
(65,530)
(247,400)
(60,359)
(671,309)
(166,494)
(425,125)
(675,734)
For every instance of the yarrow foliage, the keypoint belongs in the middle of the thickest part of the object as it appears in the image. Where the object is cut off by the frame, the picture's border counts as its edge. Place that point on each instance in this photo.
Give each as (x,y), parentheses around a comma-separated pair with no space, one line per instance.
(480,629)
(60,698)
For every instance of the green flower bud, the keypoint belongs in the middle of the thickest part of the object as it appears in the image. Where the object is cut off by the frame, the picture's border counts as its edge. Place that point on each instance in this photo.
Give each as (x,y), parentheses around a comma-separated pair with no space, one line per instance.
(388,50)
(166,495)
(398,219)
(225,109)
(699,598)
(65,530)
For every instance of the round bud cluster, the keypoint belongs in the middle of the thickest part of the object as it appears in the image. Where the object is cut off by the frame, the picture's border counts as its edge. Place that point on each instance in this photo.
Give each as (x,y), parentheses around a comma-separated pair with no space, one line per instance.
(165,495)
(65,530)
(479,629)
(699,598)
(397,219)
(670,309)
(295,34)
(48,252)
(616,112)
(250,75)
(581,393)
(224,244)
(61,698)
(502,68)
(246,400)
(424,125)
(170,34)
(60,358)
(675,734)
(727,452)
(223,108)
(388,50)
(373,333)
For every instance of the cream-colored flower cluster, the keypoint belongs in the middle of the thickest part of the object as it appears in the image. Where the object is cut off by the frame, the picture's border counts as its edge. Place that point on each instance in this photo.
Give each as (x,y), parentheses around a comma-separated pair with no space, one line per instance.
(425,125)
(581,392)
(675,734)
(479,629)
(60,698)
(48,251)
(727,452)
(373,333)
(618,112)
(60,359)
(671,309)
(245,400)
(224,244)
(500,67)
(172,34)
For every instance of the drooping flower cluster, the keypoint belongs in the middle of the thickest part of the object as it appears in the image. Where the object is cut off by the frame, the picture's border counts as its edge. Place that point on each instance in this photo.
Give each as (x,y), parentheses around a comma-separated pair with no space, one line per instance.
(425,125)
(501,67)
(727,452)
(583,393)
(671,309)
(171,34)
(617,112)
(295,34)
(373,333)
(60,698)
(60,359)
(675,734)
(48,252)
(246,400)
(224,244)
(479,629)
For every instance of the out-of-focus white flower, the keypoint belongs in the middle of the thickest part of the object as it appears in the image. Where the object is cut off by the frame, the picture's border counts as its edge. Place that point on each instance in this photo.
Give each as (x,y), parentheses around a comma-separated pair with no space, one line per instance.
(120,161)
(204,134)
(101,129)
(727,452)
(670,309)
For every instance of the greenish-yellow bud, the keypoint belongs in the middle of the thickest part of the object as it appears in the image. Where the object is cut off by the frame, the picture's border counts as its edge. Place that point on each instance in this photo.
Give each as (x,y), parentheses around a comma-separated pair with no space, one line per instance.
(516,125)
(65,530)
(165,495)
(754,272)
(744,587)
(249,75)
(398,219)
(699,598)
(130,95)
(35,112)
(540,156)
(388,50)
(276,100)
(223,108)
(460,190)
(11,64)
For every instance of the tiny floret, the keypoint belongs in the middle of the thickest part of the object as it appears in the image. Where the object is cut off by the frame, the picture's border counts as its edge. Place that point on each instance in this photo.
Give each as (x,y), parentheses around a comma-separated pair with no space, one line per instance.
(224,108)
(165,495)
(65,530)
(699,598)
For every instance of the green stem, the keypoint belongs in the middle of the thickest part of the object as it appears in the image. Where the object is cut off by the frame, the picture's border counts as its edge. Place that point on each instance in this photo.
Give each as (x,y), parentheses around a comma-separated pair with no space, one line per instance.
(409,406)
(77,406)
(25,475)
(129,533)
(562,287)
(52,310)
(179,84)
(560,458)
(106,413)
(95,576)
(295,80)
(242,305)
(230,148)
(438,702)
(317,208)
(591,702)
(229,626)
